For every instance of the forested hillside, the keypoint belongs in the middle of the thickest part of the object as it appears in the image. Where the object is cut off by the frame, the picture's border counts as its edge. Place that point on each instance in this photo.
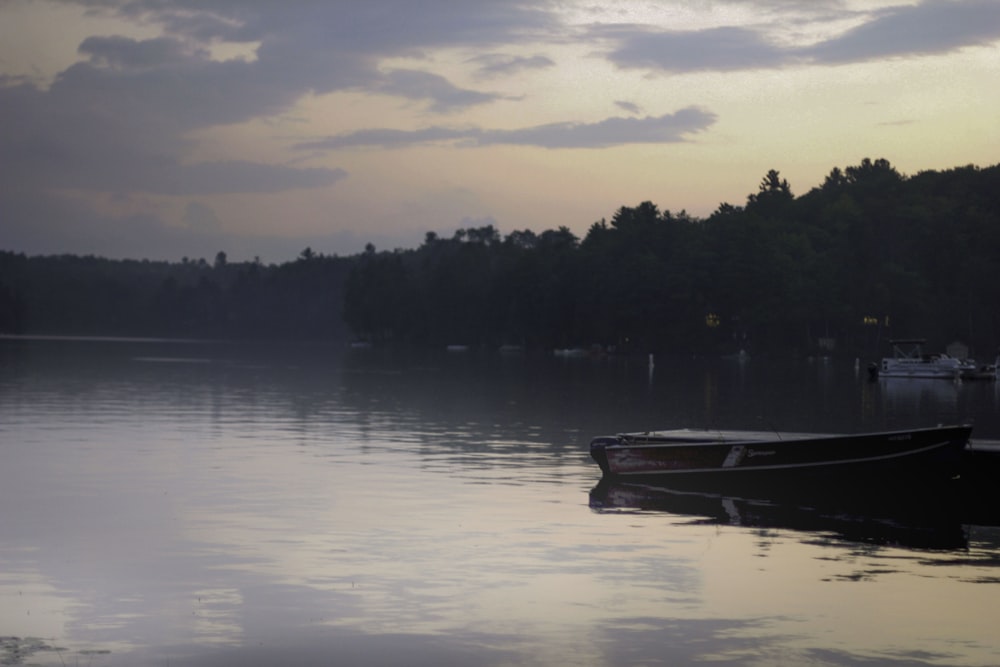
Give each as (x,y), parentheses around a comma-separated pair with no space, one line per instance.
(70,295)
(868,255)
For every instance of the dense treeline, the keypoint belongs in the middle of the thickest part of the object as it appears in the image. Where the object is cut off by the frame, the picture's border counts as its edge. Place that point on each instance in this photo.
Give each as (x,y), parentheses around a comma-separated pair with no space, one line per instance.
(867,255)
(71,295)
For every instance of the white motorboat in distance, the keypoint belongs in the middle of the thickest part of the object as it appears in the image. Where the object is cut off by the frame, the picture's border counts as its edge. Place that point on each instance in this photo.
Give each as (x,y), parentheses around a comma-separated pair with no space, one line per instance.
(909,361)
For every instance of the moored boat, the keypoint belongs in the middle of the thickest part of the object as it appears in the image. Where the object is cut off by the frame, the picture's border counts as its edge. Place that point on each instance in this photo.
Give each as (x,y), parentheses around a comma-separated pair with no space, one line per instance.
(970,370)
(727,457)
(909,361)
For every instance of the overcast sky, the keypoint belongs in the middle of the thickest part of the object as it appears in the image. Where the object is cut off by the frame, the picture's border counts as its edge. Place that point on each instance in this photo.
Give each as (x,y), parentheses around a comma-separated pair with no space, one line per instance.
(162,129)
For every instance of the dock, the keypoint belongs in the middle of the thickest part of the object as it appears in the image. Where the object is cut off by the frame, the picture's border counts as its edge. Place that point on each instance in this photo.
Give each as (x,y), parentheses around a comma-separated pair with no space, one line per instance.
(981,465)
(986,448)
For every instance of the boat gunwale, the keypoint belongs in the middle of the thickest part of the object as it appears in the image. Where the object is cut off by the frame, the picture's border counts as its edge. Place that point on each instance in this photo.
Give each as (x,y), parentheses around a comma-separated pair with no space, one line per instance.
(692,438)
(749,470)
(661,439)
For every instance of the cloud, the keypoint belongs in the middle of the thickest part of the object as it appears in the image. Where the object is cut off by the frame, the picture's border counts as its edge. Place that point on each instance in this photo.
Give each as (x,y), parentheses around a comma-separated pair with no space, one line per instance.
(117,122)
(125,53)
(63,140)
(120,118)
(497,65)
(305,47)
(389,138)
(931,27)
(444,96)
(669,128)
(716,49)
(314,30)
(630,107)
(928,28)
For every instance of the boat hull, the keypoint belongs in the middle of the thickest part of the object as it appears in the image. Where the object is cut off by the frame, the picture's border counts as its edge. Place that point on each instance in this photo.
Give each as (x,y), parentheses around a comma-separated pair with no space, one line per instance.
(907,368)
(732,457)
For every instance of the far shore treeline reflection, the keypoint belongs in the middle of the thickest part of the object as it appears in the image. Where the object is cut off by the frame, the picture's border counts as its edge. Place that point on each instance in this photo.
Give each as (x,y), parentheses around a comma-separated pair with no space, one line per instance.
(870,254)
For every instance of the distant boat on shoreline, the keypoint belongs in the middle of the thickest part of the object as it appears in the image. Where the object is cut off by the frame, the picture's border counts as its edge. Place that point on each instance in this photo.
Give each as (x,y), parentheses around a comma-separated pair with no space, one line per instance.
(973,371)
(909,361)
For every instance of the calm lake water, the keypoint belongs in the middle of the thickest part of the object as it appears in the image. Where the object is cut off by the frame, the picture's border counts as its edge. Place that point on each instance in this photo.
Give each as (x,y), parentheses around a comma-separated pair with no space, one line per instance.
(209,504)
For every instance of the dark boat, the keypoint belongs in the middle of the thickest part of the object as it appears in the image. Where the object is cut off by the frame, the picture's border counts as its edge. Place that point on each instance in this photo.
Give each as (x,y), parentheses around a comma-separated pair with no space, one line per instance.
(730,458)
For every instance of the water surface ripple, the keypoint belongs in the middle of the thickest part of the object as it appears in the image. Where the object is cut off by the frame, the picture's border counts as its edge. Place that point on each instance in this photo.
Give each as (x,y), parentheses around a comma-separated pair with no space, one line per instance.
(210,504)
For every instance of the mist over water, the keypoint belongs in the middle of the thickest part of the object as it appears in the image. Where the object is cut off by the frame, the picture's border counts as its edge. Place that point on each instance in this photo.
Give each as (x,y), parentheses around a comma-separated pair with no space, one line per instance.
(202,503)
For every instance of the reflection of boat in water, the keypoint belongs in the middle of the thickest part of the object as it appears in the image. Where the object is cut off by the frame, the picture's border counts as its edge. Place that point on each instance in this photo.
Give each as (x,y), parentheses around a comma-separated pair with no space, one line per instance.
(980,482)
(758,458)
(909,361)
(923,518)
(917,394)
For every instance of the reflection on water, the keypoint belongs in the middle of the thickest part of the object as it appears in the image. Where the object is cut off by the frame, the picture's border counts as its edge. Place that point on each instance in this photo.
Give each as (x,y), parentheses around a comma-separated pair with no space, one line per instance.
(920,395)
(193,503)
(915,518)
